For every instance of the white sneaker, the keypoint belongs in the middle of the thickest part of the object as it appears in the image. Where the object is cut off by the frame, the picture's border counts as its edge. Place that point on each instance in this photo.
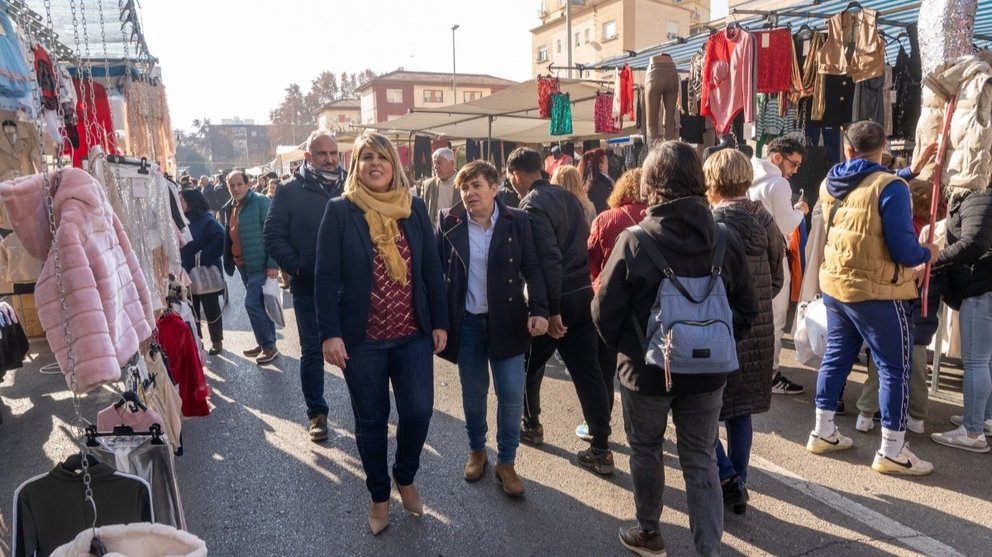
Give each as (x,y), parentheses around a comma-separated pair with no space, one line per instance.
(958,420)
(916,426)
(864,424)
(959,439)
(835,442)
(906,464)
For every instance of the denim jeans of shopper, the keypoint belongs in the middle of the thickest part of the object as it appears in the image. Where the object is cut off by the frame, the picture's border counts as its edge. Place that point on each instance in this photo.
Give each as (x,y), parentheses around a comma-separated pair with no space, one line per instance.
(886,326)
(696,425)
(311,355)
(508,379)
(734,461)
(976,354)
(261,325)
(407,364)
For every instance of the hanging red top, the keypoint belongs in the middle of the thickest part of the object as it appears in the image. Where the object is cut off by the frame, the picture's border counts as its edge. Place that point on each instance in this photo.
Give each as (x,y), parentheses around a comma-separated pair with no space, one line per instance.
(623,104)
(97,115)
(728,78)
(774,55)
(180,349)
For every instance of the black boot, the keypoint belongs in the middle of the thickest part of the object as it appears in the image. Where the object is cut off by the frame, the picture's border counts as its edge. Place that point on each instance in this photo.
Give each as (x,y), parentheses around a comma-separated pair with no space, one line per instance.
(735,495)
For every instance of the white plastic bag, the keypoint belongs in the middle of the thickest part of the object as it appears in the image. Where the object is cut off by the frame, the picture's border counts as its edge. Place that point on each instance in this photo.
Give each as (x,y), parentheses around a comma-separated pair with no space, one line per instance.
(272,296)
(800,338)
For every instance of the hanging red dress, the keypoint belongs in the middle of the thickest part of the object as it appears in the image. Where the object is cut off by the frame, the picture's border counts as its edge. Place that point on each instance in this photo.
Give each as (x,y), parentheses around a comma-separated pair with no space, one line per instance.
(179,347)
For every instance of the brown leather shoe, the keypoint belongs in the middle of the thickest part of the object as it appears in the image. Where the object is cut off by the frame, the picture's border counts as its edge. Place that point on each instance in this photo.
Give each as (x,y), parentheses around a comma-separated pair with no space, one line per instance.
(507,477)
(476,465)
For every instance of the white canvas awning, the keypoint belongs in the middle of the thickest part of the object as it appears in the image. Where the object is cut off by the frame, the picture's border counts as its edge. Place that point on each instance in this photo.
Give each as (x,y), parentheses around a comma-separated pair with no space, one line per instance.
(510,115)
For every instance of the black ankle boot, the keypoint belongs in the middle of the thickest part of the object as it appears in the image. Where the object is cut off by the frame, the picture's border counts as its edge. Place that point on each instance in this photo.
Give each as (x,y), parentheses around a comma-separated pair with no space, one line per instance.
(735,495)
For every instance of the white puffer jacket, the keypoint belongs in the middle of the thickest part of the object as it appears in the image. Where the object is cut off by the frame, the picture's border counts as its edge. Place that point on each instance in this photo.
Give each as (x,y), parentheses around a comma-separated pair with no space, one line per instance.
(140,539)
(968,162)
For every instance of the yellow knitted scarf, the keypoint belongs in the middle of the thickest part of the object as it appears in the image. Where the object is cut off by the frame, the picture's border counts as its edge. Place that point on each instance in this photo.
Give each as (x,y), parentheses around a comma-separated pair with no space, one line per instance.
(382,210)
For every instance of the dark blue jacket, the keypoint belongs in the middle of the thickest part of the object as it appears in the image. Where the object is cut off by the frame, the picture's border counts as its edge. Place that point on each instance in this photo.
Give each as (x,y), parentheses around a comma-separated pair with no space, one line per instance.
(512,260)
(291,229)
(343,276)
(208,241)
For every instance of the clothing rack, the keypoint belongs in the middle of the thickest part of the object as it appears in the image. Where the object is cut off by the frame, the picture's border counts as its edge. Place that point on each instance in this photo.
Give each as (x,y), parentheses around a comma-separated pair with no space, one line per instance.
(592,68)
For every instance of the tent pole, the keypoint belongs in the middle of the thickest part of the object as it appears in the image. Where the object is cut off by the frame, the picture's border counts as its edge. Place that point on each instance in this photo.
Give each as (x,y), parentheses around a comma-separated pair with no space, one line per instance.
(489,143)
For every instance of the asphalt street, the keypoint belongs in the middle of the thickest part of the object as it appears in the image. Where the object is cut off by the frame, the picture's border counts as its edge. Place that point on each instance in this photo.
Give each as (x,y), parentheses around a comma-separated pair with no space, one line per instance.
(253,484)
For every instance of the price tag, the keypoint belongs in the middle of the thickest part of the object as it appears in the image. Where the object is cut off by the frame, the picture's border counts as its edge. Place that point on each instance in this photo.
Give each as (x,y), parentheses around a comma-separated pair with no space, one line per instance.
(765,40)
(806,48)
(139,189)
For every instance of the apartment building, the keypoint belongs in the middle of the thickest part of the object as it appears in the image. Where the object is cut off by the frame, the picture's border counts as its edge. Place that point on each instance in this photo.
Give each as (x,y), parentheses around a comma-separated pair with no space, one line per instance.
(392,95)
(606,28)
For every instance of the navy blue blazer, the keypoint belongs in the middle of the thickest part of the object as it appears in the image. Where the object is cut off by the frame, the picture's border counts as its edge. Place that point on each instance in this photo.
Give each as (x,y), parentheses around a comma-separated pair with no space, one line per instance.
(512,259)
(343,275)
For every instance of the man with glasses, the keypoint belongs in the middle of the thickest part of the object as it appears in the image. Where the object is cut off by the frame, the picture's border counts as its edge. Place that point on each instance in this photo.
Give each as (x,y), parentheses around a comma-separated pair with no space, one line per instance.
(771,187)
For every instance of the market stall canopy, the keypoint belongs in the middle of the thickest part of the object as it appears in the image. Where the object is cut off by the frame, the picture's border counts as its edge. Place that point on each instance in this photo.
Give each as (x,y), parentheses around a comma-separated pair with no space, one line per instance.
(509,115)
(894,16)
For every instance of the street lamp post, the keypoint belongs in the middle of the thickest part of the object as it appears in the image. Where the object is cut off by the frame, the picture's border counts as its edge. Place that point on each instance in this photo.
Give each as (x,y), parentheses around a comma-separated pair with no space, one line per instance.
(454,81)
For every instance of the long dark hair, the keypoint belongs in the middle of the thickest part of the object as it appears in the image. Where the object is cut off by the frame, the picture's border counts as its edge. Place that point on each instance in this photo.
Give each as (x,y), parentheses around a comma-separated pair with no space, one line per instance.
(589,165)
(672,170)
(196,204)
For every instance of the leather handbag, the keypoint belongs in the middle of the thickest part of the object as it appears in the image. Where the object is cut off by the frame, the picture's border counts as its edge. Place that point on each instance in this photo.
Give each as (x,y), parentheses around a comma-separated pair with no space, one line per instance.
(205,279)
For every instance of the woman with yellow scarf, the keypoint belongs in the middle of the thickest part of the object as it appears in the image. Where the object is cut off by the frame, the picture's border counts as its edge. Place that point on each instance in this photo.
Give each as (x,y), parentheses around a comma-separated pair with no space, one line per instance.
(382,314)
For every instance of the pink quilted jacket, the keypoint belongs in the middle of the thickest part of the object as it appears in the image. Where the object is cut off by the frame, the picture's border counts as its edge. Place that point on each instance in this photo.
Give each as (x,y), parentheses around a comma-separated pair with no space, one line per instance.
(107,298)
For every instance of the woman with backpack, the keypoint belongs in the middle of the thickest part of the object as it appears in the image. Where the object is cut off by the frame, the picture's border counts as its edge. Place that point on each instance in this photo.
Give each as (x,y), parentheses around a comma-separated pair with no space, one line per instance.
(728,176)
(679,225)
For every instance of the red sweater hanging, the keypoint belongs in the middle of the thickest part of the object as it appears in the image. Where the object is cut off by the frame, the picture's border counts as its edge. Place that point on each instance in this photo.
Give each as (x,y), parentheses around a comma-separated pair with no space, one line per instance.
(623,103)
(97,114)
(774,55)
(183,356)
(728,78)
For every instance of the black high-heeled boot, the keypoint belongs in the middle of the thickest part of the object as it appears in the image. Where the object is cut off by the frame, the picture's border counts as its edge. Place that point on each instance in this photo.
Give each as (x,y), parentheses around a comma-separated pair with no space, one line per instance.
(735,495)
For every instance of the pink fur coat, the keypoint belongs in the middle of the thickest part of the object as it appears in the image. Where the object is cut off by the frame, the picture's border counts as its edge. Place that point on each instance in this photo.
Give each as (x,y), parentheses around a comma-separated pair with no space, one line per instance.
(107,298)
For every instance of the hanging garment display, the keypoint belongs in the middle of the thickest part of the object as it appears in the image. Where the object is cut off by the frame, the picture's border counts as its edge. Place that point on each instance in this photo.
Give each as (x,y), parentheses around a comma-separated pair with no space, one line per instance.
(603,114)
(623,94)
(561,114)
(869,100)
(811,90)
(692,127)
(694,91)
(968,162)
(14,343)
(546,87)
(662,90)
(16,82)
(154,463)
(728,78)
(51,509)
(887,101)
(853,46)
(137,540)
(20,150)
(838,101)
(946,31)
(47,81)
(107,298)
(180,348)
(161,394)
(147,123)
(421,156)
(771,123)
(96,116)
(906,85)
(774,53)
(17,266)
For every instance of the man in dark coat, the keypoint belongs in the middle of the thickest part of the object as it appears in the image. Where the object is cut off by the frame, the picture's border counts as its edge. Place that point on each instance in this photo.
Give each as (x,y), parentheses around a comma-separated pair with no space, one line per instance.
(291,239)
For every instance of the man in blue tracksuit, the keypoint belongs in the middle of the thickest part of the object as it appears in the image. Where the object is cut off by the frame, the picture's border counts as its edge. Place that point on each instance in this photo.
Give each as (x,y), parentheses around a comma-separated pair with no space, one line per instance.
(291,239)
(868,285)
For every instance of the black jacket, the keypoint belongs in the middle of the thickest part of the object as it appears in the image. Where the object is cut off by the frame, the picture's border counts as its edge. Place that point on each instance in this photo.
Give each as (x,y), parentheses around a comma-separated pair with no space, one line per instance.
(686,234)
(291,229)
(967,259)
(599,192)
(748,392)
(560,234)
(343,276)
(512,260)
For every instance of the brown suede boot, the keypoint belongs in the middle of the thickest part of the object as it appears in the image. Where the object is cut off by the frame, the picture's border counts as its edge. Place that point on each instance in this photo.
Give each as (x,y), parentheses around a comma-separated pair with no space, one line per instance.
(507,477)
(476,465)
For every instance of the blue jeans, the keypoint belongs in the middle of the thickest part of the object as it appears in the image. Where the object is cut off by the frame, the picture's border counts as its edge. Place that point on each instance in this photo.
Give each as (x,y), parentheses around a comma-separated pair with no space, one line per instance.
(311,357)
(408,364)
(696,419)
(887,327)
(739,438)
(509,378)
(261,325)
(976,354)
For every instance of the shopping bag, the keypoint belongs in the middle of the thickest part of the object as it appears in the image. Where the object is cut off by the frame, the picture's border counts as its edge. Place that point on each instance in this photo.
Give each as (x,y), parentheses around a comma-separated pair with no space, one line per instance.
(800,338)
(815,320)
(272,296)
